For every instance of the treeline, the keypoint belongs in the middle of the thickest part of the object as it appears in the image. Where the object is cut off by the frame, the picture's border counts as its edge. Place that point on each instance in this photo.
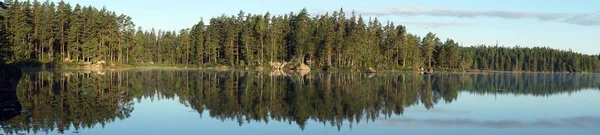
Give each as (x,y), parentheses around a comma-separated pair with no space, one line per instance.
(49,32)
(56,33)
(528,59)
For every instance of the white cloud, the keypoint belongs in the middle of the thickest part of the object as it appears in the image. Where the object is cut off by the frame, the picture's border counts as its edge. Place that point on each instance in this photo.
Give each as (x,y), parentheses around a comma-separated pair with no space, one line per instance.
(429,25)
(583,19)
(583,122)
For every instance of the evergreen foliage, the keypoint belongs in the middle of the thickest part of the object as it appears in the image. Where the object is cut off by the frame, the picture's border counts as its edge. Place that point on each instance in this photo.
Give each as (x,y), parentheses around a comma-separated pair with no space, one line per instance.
(57,33)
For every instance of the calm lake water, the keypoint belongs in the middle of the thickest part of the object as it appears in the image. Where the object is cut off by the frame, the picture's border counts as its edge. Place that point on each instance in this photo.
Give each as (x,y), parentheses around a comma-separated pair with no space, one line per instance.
(152,101)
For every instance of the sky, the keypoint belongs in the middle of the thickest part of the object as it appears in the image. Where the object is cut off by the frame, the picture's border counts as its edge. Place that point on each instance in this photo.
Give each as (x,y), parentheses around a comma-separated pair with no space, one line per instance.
(559,24)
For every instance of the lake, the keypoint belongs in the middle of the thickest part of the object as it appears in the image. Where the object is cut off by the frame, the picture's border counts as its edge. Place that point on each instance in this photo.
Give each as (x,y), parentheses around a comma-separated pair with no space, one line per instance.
(181,101)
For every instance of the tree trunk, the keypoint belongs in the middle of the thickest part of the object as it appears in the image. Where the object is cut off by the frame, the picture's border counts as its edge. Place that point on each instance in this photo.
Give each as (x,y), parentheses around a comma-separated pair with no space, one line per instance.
(42,53)
(51,47)
(63,51)
(232,49)
(272,48)
(404,61)
(429,62)
(397,55)
(99,48)
(120,55)
(329,51)
(157,52)
(187,53)
(301,57)
(120,47)
(216,55)
(237,54)
(262,51)
(339,57)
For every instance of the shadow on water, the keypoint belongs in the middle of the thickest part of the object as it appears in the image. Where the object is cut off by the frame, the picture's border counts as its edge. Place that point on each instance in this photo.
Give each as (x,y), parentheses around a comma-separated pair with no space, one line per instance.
(9,103)
(60,100)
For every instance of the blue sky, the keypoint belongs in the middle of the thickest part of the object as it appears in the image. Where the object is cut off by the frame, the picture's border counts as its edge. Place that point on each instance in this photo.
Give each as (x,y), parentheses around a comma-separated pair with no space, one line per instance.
(560,24)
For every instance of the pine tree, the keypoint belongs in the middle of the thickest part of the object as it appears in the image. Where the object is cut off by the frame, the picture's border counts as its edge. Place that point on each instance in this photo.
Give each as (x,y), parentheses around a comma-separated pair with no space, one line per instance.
(138,48)
(260,29)
(450,54)
(401,46)
(301,35)
(23,33)
(326,36)
(197,37)
(48,36)
(62,22)
(89,40)
(359,43)
(389,46)
(229,35)
(428,48)
(352,41)
(413,51)
(375,38)
(275,33)
(340,37)
(35,37)
(151,39)
(186,43)
(125,27)
(246,40)
(73,38)
(212,42)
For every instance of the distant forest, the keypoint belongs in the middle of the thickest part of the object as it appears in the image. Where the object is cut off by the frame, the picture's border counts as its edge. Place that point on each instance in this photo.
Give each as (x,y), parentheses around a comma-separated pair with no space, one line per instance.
(48,32)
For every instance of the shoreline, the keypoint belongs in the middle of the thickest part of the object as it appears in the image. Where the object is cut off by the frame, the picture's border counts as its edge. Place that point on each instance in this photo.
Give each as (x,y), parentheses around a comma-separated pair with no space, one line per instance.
(217,68)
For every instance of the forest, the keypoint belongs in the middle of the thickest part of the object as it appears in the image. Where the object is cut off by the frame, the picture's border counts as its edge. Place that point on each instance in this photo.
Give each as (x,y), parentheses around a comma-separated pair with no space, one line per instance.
(63,100)
(60,33)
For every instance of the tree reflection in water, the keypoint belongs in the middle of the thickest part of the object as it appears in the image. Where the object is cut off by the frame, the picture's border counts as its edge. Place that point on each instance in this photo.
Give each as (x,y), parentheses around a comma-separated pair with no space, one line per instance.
(59,100)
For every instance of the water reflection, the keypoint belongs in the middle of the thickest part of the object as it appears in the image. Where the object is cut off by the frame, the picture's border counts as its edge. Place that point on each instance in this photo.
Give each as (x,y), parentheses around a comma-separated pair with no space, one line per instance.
(60,100)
